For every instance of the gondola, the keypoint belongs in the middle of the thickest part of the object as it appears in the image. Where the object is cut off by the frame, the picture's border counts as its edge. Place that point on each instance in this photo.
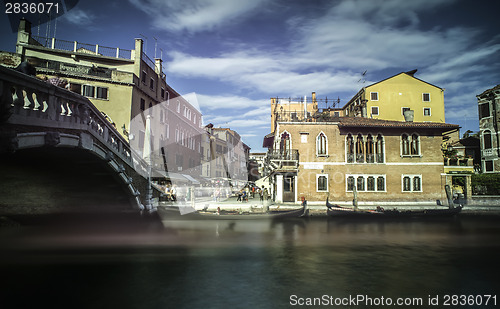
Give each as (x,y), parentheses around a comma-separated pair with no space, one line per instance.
(173,213)
(336,211)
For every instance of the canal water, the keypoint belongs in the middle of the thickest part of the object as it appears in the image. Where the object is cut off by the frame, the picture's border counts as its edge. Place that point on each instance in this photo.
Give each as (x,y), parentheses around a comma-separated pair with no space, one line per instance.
(312,263)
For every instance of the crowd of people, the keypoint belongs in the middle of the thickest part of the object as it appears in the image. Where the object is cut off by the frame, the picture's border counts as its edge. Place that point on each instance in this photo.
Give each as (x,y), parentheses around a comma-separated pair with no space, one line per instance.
(251,191)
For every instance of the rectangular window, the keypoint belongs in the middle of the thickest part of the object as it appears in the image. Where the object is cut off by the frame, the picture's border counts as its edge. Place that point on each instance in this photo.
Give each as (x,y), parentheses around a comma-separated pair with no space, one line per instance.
(426,97)
(88,91)
(488,166)
(143,78)
(76,88)
(374,110)
(336,114)
(411,183)
(151,83)
(403,109)
(322,183)
(303,137)
(374,96)
(143,104)
(162,91)
(427,111)
(484,110)
(102,93)
(487,139)
(288,184)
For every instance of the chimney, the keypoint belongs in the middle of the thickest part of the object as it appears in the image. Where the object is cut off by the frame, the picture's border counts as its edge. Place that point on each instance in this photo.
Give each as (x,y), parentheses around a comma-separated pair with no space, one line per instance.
(408,114)
(23,35)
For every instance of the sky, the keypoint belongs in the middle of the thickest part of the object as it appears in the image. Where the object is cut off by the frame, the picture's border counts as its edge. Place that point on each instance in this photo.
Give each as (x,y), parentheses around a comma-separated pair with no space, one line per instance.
(236,55)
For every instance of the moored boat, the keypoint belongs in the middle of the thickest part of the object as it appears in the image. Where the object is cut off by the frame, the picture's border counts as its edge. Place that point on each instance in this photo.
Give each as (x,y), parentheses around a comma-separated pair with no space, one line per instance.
(337,211)
(175,213)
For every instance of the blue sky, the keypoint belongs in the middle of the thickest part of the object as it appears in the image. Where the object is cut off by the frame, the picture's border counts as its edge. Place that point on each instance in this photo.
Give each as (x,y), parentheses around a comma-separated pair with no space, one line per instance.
(236,55)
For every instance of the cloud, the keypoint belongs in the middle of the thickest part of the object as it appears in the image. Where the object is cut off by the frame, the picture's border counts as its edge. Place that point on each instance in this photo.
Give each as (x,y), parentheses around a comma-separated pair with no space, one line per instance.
(79,17)
(195,15)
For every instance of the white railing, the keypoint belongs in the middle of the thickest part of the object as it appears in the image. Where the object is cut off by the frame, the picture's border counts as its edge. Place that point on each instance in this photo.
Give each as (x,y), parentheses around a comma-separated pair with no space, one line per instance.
(85,48)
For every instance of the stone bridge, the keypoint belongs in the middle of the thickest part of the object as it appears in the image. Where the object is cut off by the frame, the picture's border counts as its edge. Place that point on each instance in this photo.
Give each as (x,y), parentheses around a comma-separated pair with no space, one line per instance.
(58,153)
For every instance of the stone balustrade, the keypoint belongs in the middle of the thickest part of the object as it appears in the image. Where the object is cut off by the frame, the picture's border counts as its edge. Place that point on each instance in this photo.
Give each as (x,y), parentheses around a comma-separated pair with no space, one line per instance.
(28,101)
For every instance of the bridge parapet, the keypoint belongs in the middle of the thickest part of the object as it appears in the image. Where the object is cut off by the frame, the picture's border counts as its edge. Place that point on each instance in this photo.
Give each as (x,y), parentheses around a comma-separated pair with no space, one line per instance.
(32,102)
(41,114)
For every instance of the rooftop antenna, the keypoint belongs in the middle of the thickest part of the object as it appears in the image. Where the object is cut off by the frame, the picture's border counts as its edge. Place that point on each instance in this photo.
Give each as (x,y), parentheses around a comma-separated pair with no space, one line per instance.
(363,77)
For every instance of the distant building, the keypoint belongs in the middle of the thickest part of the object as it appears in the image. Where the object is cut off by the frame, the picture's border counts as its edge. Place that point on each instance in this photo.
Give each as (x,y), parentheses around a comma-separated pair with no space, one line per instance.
(259,158)
(388,99)
(489,114)
(126,86)
(224,157)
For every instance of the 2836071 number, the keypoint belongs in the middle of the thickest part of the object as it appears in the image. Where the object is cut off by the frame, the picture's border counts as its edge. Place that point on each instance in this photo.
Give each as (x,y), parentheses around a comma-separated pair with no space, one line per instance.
(31,8)
(469,300)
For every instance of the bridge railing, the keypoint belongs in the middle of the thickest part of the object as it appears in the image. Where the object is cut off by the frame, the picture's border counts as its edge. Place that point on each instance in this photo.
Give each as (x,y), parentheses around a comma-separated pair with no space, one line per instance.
(29,101)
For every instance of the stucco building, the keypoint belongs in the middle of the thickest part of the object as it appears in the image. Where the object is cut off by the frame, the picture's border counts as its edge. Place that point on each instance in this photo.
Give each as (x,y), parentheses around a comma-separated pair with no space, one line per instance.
(386,142)
(387,161)
(127,86)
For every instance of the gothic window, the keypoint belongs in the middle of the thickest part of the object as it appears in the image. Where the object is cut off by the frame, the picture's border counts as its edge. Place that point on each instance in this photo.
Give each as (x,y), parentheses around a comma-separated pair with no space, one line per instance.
(350,148)
(370,158)
(321,145)
(415,145)
(379,149)
(359,149)
(405,145)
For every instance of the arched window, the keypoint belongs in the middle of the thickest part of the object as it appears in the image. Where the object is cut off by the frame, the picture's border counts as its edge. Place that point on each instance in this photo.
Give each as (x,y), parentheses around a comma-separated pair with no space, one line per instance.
(370,158)
(487,139)
(415,145)
(405,145)
(285,145)
(360,158)
(350,148)
(416,184)
(350,183)
(379,149)
(380,183)
(406,184)
(321,145)
(360,183)
(370,183)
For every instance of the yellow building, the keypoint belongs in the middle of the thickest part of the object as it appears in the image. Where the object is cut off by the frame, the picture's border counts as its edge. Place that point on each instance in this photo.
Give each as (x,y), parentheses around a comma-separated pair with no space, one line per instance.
(390,98)
(125,85)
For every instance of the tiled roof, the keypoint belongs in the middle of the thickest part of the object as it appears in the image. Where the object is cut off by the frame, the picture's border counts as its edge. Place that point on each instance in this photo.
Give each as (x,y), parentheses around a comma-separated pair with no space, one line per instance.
(369,122)
(497,87)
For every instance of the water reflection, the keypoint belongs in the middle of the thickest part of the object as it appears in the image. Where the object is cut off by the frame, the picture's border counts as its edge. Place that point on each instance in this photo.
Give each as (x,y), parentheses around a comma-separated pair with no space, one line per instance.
(248,264)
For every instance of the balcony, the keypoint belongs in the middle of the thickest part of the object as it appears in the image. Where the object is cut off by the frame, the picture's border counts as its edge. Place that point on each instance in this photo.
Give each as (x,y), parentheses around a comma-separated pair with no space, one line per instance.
(283,160)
